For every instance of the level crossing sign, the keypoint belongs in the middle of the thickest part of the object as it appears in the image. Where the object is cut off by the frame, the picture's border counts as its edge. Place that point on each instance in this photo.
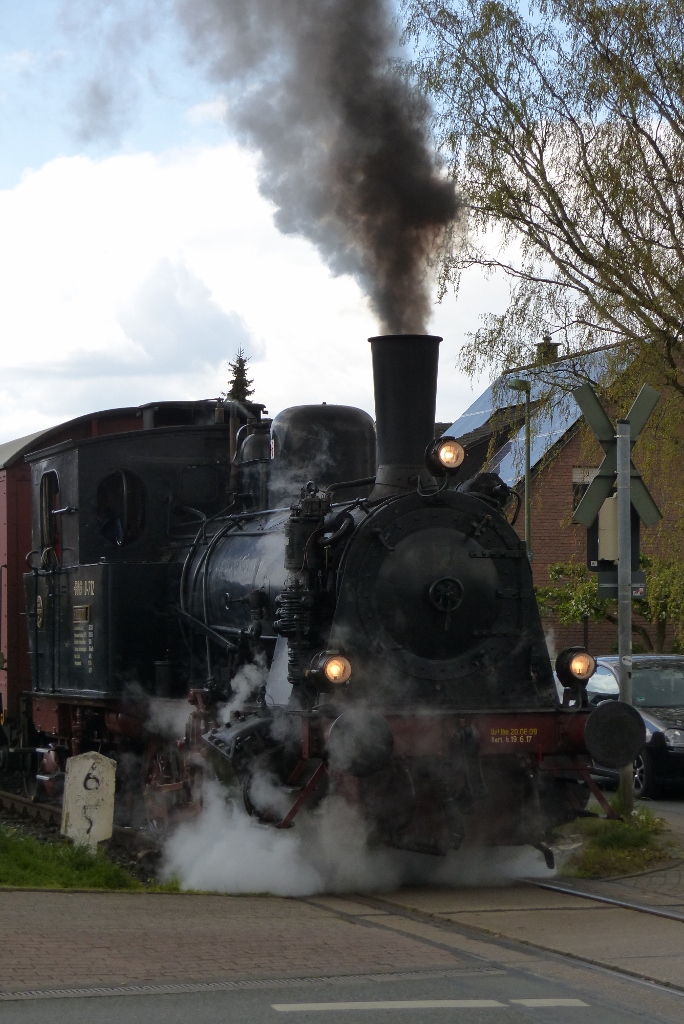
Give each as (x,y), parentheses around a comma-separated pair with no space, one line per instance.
(603,483)
(644,508)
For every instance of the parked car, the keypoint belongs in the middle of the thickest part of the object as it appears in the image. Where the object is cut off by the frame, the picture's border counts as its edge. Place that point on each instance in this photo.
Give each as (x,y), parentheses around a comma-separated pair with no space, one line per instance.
(658,694)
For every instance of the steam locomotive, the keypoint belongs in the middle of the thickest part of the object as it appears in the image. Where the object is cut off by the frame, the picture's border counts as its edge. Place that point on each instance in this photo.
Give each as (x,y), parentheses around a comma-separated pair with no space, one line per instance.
(323,620)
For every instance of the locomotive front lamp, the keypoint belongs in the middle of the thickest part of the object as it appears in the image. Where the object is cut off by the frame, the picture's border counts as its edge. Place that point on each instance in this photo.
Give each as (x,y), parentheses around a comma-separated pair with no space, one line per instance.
(451,454)
(445,453)
(575,665)
(337,669)
(583,666)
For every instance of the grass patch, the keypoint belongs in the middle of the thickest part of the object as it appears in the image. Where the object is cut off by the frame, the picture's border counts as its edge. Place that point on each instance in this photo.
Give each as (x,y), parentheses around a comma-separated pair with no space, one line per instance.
(619,847)
(27,862)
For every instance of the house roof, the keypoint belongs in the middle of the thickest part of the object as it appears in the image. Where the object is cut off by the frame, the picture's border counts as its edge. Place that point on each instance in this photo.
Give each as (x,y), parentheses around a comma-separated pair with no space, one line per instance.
(551,423)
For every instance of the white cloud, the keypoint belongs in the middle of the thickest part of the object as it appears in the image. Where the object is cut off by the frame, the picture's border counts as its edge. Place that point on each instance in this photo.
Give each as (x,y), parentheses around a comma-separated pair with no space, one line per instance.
(30,62)
(135,278)
(21,61)
(177,324)
(208,113)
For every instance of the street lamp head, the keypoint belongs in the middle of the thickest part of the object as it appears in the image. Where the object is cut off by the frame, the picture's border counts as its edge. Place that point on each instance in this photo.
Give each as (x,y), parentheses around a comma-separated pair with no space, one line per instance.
(518,384)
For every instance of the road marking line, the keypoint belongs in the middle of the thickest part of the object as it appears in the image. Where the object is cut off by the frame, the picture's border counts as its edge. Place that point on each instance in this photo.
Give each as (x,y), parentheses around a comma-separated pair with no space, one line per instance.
(549,1002)
(404,1004)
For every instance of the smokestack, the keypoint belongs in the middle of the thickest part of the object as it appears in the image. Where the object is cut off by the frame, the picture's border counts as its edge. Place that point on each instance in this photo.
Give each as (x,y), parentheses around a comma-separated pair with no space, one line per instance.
(405,383)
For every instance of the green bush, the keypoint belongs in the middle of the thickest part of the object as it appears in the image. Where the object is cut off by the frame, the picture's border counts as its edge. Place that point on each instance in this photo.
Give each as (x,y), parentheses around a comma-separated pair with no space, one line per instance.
(618,847)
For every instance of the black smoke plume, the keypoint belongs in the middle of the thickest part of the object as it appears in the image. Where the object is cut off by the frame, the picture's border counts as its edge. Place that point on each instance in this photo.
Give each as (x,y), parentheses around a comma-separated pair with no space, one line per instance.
(346,155)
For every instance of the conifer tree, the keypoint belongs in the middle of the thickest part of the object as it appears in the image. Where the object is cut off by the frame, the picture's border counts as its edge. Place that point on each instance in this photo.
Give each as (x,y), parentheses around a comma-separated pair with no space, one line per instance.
(240,385)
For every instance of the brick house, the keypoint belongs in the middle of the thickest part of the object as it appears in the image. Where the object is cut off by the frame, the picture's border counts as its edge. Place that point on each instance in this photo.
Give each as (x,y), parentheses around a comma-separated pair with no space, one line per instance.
(561,470)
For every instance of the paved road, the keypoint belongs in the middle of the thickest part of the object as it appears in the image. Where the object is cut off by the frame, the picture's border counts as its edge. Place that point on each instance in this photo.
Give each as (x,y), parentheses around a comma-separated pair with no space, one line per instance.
(415,956)
(512,953)
(672,810)
(512,997)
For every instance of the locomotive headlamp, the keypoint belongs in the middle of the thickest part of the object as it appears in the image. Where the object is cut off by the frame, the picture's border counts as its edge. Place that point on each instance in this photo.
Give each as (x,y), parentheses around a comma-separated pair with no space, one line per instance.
(331,666)
(337,669)
(451,454)
(582,666)
(575,665)
(446,453)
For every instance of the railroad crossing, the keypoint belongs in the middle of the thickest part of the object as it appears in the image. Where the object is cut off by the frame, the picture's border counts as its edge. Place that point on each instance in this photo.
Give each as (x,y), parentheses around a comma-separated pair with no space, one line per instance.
(605,480)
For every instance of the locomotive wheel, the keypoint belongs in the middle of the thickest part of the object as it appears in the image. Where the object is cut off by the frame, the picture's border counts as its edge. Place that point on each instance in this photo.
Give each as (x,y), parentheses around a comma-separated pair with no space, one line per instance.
(34,789)
(265,795)
(388,799)
(164,789)
(49,790)
(561,801)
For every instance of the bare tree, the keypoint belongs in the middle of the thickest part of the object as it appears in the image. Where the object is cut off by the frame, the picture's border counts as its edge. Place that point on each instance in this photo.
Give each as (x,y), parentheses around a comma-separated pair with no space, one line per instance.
(563,125)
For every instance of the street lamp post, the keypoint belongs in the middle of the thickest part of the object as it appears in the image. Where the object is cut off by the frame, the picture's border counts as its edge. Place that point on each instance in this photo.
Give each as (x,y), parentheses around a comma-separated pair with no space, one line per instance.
(518,384)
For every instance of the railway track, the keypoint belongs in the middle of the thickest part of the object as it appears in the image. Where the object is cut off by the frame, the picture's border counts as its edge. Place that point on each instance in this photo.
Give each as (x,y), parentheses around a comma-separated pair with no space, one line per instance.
(140,842)
(24,807)
(642,908)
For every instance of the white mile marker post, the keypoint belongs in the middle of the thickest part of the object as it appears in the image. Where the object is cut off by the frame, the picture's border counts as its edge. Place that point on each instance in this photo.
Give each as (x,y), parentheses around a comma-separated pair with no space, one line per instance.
(88,809)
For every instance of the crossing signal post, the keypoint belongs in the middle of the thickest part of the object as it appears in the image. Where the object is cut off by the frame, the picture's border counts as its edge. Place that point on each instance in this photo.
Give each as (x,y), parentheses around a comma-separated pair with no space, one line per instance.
(634,505)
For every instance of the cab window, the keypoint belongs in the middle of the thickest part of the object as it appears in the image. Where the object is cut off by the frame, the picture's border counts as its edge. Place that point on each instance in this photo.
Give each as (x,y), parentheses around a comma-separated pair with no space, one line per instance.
(49,502)
(121,507)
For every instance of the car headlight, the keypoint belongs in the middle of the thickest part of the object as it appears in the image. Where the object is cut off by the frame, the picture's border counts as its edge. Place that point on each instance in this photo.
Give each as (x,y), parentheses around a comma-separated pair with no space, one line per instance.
(674,738)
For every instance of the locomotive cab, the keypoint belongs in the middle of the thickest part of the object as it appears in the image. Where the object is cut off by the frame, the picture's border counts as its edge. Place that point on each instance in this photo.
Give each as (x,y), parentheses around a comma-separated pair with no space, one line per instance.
(108,514)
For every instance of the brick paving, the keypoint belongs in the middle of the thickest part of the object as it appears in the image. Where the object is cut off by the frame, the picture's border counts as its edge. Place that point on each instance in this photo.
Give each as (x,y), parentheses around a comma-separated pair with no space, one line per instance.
(639,943)
(55,938)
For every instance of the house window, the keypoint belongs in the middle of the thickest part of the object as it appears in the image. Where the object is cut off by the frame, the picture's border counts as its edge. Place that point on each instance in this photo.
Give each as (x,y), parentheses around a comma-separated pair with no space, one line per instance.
(581,478)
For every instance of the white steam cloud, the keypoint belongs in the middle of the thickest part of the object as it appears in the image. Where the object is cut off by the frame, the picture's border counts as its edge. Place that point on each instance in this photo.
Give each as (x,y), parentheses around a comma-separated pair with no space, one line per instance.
(225,850)
(245,684)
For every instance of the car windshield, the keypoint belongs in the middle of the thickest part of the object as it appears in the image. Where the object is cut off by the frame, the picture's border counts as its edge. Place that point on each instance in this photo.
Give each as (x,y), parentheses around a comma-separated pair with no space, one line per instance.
(602,686)
(658,684)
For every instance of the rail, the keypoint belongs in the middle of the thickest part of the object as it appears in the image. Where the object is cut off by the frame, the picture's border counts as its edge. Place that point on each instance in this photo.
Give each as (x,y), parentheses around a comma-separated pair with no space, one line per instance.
(623,904)
(28,808)
(25,807)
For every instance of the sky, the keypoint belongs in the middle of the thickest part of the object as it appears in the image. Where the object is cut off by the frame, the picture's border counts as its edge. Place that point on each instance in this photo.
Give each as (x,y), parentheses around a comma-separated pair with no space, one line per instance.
(136,254)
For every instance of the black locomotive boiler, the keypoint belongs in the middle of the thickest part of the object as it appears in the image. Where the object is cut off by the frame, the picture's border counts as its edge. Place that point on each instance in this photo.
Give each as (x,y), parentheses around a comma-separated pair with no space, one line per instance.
(339,621)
